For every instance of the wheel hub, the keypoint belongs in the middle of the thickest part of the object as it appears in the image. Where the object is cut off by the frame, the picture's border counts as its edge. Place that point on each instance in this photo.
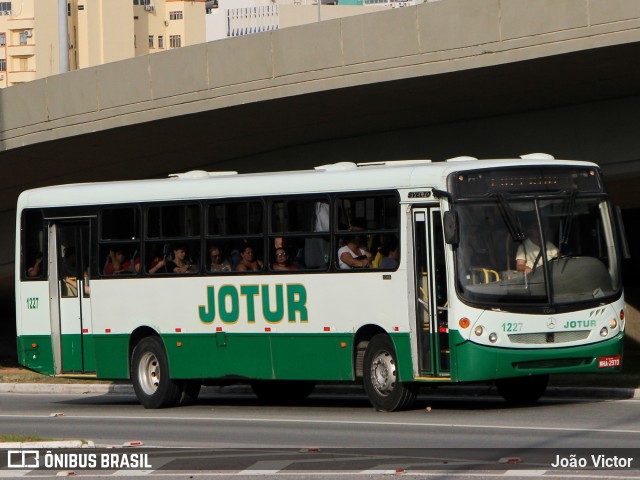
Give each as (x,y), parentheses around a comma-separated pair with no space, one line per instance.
(149,373)
(383,373)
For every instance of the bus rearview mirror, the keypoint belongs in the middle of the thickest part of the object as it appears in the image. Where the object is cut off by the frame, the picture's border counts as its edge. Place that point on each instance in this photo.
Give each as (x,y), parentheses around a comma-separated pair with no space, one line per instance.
(451,228)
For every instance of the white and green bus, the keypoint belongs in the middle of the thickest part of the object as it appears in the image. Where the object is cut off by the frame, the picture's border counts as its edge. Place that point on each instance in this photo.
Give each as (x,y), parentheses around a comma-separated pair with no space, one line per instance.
(467,270)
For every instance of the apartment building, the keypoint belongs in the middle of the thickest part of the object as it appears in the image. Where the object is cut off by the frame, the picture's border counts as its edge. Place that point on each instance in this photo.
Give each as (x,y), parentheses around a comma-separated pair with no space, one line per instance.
(234,18)
(35,33)
(32,34)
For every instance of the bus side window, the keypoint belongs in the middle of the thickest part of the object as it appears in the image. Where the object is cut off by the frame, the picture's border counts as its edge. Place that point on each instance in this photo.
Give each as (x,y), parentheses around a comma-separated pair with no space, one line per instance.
(366,226)
(119,242)
(33,253)
(300,225)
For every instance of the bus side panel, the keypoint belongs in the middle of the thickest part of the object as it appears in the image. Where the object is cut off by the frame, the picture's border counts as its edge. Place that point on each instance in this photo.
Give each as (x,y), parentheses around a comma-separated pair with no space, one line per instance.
(218,355)
(402,344)
(477,362)
(35,353)
(34,327)
(111,356)
(315,357)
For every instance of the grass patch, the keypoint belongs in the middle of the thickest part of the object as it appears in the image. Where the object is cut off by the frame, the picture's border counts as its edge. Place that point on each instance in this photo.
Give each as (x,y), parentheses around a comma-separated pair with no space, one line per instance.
(11,373)
(21,438)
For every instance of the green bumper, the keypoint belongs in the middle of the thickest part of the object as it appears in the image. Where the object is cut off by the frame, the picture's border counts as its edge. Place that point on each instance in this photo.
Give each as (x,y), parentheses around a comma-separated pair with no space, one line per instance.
(473,362)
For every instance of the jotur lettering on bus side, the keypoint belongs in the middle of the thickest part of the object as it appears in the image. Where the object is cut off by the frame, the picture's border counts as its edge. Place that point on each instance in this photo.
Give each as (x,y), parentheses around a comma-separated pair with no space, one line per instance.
(227,304)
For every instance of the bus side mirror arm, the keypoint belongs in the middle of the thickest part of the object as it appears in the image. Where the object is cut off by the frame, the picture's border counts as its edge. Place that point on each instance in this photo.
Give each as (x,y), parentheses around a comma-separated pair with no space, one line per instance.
(451,232)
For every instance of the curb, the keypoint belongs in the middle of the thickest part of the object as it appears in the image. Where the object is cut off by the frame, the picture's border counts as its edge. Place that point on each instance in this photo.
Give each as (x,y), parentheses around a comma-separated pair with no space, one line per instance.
(47,444)
(72,388)
(440,391)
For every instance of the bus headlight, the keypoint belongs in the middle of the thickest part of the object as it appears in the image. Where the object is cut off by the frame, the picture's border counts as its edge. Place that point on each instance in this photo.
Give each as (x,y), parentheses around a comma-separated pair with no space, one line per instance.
(604,332)
(478,330)
(493,337)
(613,323)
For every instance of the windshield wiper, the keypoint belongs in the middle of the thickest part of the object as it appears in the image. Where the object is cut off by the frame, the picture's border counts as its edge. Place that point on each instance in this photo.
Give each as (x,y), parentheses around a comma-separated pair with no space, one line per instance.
(505,210)
(571,205)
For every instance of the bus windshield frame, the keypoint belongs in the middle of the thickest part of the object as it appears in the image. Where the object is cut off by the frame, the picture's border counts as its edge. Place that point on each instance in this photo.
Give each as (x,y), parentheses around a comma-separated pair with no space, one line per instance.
(525,250)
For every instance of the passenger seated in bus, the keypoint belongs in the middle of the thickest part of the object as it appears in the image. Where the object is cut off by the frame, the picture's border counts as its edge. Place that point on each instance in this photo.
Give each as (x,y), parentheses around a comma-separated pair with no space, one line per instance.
(158,260)
(529,254)
(36,268)
(248,263)
(118,264)
(281,261)
(296,260)
(352,255)
(216,262)
(391,254)
(180,263)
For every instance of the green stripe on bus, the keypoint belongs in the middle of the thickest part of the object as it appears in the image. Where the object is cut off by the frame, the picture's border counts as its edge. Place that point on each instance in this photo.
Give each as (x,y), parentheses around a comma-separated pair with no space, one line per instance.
(323,356)
(402,344)
(35,353)
(261,356)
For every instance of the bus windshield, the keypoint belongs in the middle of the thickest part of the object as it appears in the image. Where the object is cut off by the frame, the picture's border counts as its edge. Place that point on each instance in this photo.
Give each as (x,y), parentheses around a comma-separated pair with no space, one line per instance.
(554,251)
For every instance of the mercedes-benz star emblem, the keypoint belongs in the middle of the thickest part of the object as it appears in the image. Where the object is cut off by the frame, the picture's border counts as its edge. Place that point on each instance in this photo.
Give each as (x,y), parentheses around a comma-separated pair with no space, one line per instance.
(551,323)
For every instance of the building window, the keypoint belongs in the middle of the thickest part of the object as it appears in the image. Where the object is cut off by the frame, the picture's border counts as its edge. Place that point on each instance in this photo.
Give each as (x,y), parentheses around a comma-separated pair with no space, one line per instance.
(160,41)
(23,37)
(142,2)
(150,41)
(3,39)
(5,7)
(211,6)
(3,65)
(175,15)
(175,41)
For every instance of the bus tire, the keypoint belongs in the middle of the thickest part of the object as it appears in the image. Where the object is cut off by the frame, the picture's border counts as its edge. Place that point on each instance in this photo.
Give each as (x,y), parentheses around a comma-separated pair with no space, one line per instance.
(282,391)
(522,390)
(190,392)
(150,374)
(380,377)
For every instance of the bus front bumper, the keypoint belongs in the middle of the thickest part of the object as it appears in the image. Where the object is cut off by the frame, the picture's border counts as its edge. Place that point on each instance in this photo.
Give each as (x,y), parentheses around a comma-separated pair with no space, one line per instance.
(473,362)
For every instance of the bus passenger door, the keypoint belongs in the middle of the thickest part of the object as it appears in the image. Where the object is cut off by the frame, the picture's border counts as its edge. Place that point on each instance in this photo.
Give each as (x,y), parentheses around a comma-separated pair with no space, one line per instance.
(70,250)
(431,293)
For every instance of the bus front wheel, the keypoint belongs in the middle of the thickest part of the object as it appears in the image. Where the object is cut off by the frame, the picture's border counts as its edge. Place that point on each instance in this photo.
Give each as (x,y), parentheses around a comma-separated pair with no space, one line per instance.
(380,377)
(150,374)
(522,390)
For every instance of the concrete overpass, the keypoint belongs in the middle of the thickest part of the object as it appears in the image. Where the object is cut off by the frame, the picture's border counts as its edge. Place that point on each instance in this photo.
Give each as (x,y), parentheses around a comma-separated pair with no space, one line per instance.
(474,77)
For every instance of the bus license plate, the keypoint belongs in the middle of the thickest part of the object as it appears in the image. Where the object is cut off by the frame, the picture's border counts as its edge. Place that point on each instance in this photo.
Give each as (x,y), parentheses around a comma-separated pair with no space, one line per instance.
(607,362)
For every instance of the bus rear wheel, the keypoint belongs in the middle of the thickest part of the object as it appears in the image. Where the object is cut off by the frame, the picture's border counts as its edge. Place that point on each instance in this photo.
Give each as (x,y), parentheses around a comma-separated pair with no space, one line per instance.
(150,374)
(522,390)
(381,383)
